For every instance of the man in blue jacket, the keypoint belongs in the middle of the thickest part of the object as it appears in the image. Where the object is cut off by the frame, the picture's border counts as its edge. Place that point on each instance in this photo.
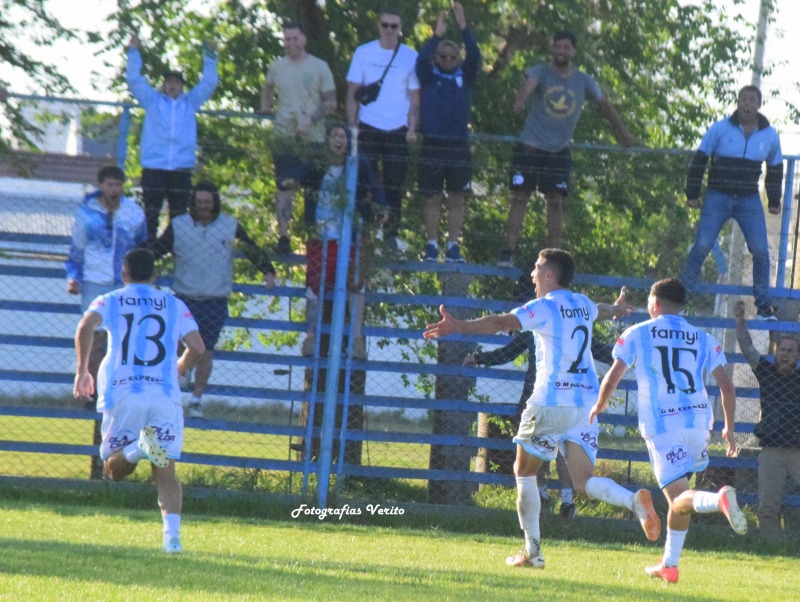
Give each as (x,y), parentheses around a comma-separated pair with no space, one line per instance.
(169,133)
(445,162)
(738,145)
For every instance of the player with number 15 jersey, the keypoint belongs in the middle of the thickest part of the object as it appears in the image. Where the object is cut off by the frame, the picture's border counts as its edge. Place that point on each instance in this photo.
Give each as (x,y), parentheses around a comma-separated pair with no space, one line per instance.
(144,326)
(670,357)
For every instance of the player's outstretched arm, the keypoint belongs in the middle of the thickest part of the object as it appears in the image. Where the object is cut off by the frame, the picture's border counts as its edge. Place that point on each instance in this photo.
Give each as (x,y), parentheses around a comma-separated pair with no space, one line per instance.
(484,325)
(728,393)
(607,387)
(619,309)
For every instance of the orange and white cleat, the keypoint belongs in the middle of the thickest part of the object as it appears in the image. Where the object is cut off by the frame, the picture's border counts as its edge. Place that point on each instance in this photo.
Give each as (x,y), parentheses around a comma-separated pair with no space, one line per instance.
(730,508)
(643,508)
(525,560)
(667,573)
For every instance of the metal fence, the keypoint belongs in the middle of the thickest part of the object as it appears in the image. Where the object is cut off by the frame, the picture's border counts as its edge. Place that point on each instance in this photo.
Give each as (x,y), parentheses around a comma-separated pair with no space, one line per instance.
(328,386)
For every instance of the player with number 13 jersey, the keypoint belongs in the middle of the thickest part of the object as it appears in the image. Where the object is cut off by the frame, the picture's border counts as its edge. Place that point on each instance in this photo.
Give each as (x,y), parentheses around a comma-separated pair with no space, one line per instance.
(144,326)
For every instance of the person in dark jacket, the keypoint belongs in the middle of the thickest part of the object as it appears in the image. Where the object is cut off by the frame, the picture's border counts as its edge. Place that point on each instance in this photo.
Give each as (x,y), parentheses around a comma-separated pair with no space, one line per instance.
(778,431)
(738,146)
(445,163)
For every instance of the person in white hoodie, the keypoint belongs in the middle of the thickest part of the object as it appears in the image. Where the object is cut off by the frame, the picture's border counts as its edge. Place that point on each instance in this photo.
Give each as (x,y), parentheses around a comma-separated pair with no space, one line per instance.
(169,133)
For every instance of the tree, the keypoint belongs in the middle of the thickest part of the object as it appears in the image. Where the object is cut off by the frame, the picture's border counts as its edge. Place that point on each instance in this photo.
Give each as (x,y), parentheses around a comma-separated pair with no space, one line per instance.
(27,19)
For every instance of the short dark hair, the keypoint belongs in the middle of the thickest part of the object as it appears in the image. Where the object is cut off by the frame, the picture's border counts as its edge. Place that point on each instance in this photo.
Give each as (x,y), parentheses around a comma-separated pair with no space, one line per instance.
(784,336)
(294,25)
(110,171)
(390,10)
(566,35)
(751,88)
(139,264)
(669,290)
(174,74)
(561,263)
(205,186)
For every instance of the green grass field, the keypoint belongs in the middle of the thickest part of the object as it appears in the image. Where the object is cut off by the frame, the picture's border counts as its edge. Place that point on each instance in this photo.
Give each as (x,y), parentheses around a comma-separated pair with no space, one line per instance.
(61,551)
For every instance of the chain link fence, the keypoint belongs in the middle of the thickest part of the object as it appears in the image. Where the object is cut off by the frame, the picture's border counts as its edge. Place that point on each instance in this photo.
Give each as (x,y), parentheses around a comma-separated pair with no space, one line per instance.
(413,420)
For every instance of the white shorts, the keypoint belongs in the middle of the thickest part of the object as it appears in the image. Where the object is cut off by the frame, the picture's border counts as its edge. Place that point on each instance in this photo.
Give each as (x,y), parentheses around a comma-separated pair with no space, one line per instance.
(544,429)
(130,414)
(677,453)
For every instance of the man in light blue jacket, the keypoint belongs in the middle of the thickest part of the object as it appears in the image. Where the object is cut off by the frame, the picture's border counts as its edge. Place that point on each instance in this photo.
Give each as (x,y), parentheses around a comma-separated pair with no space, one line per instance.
(169,134)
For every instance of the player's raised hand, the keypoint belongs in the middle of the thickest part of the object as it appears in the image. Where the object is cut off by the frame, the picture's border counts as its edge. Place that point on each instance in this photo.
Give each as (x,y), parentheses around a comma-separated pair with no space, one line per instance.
(447,325)
(621,306)
(441,25)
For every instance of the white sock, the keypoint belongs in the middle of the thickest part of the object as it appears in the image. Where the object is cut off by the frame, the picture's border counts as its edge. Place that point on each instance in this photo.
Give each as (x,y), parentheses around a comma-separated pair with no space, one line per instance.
(705,502)
(566,495)
(196,399)
(674,546)
(132,452)
(172,526)
(528,508)
(434,243)
(607,490)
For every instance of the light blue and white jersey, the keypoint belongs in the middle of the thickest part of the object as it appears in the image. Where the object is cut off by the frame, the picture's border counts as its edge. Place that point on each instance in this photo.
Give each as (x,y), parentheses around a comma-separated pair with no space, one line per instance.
(670,357)
(562,322)
(144,326)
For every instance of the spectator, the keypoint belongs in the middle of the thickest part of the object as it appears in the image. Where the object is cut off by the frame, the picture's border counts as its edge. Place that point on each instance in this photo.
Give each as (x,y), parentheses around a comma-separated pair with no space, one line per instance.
(202,243)
(671,358)
(107,225)
(138,386)
(327,185)
(778,430)
(557,413)
(169,134)
(387,125)
(738,145)
(445,162)
(542,159)
(306,95)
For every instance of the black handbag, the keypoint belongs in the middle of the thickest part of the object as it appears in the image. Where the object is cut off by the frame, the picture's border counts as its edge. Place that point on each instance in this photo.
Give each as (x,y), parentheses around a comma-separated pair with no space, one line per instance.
(369,93)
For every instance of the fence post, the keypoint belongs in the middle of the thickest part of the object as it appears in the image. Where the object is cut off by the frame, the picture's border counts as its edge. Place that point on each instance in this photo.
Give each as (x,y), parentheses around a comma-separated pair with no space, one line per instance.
(337,332)
(122,139)
(786,223)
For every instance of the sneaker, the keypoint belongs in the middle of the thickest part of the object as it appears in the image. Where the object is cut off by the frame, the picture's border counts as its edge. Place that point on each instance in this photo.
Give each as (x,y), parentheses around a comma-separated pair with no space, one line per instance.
(643,508)
(151,449)
(567,512)
(667,573)
(284,246)
(766,314)
(431,253)
(453,254)
(525,560)
(195,410)
(173,546)
(730,508)
(506,259)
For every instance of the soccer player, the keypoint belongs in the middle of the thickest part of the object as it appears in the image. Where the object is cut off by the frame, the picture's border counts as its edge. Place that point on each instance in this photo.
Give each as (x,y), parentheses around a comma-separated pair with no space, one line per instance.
(137,383)
(670,356)
(557,413)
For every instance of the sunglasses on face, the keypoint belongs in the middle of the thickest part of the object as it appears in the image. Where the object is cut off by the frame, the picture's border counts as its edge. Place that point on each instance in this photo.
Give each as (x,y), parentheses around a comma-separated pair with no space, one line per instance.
(390,25)
(447,57)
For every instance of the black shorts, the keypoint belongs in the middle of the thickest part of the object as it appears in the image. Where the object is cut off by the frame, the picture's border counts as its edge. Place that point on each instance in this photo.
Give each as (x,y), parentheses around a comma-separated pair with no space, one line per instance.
(536,169)
(291,157)
(210,315)
(444,165)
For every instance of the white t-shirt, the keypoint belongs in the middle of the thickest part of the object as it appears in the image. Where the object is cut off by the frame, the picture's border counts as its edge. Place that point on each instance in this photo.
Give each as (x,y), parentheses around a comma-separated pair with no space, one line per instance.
(144,326)
(390,110)
(670,357)
(562,322)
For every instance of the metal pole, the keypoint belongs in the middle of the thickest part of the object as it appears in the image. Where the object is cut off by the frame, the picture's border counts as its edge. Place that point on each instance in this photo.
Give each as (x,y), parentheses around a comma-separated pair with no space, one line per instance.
(337,331)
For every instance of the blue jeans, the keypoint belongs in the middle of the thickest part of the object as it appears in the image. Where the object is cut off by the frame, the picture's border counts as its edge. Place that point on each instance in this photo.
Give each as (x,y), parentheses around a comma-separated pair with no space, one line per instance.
(748,212)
